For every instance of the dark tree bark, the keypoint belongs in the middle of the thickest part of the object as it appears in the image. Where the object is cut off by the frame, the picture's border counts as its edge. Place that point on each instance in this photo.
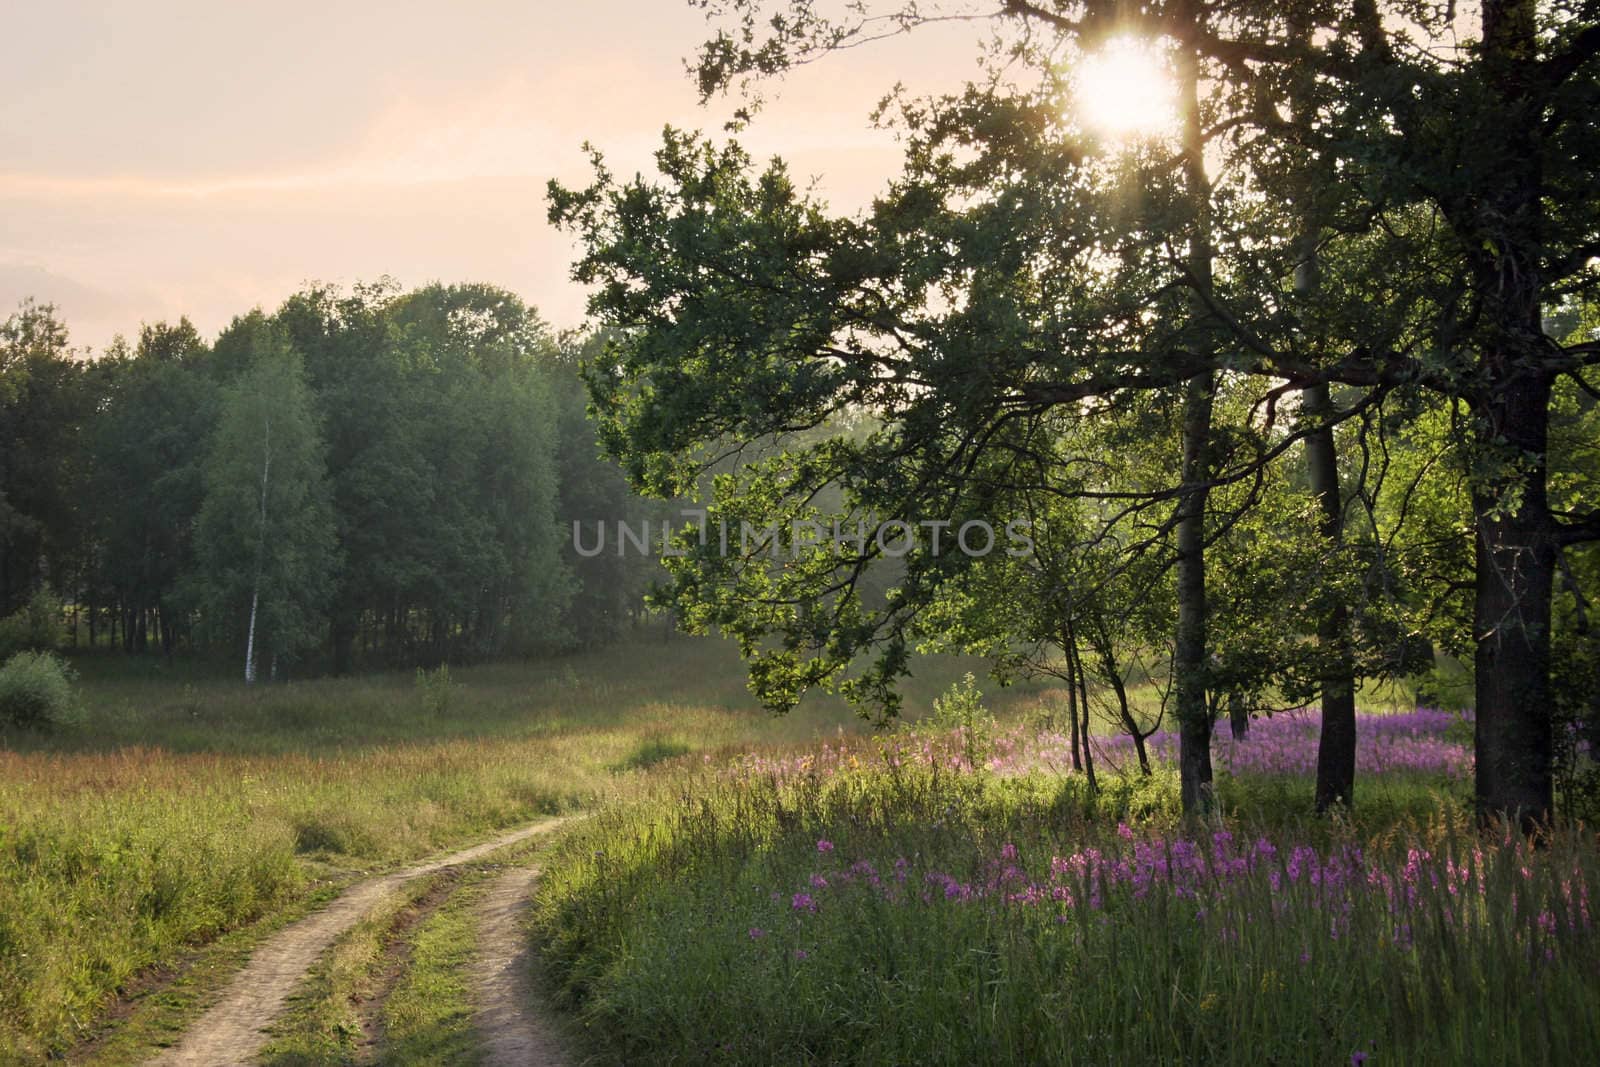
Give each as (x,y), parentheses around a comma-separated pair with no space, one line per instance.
(1100,641)
(1336,749)
(1514,741)
(1189,654)
(1515,549)
(343,633)
(1238,717)
(1068,646)
(1076,667)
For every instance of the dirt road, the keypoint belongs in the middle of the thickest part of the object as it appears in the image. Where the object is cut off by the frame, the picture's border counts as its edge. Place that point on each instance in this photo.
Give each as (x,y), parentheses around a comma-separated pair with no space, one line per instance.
(231,1033)
(513,1034)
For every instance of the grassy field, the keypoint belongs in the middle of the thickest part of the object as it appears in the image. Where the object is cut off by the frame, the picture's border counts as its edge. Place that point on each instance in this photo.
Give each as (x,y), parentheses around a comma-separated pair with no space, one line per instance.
(894,900)
(752,889)
(184,805)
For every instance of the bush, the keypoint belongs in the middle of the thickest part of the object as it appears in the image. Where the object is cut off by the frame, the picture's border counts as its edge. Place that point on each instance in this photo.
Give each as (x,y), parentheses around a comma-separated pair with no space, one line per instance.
(961,710)
(435,688)
(34,627)
(1575,694)
(36,690)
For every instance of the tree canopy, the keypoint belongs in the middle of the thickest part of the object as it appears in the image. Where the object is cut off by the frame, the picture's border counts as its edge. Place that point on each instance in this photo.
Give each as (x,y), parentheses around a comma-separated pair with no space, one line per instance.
(1365,214)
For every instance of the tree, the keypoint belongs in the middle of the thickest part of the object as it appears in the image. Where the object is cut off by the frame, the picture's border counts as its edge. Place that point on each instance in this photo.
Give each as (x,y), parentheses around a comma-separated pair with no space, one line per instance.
(442,453)
(610,584)
(265,536)
(1007,272)
(149,446)
(47,398)
(488,428)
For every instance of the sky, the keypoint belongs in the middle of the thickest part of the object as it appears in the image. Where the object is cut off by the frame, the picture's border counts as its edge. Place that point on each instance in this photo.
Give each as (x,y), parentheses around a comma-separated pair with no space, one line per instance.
(177,158)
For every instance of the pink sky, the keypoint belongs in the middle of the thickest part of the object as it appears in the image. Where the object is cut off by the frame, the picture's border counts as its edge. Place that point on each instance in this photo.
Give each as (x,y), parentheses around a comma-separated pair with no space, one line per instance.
(173,158)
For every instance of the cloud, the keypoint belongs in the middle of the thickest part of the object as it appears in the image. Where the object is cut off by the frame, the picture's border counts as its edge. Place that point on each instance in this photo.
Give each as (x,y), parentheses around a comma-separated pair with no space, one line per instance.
(217,162)
(92,314)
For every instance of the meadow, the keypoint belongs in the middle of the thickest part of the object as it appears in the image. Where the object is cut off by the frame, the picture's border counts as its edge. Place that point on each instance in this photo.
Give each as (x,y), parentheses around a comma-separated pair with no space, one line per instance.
(182,806)
(750,889)
(964,897)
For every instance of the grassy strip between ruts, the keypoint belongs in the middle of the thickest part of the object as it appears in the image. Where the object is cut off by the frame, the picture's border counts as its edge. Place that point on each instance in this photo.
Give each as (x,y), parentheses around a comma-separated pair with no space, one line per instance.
(427,1017)
(392,989)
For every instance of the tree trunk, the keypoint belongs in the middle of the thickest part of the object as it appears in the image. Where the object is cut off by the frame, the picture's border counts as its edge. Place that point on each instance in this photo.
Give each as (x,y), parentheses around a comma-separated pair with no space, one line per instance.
(344,637)
(1189,654)
(1238,717)
(1515,550)
(1067,646)
(261,548)
(1516,559)
(1336,749)
(1101,641)
(250,641)
(167,628)
(1083,707)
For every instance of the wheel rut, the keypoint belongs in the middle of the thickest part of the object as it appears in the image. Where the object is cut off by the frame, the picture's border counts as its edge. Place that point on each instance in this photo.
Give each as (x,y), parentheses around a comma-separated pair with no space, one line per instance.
(232,1031)
(513,1030)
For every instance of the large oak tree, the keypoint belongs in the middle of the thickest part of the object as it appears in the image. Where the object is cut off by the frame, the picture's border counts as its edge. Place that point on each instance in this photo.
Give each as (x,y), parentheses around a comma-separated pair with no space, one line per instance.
(1017,270)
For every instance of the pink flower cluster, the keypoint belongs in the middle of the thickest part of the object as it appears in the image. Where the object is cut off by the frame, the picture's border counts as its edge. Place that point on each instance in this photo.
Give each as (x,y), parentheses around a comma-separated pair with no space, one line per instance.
(1412,742)
(1286,743)
(1228,874)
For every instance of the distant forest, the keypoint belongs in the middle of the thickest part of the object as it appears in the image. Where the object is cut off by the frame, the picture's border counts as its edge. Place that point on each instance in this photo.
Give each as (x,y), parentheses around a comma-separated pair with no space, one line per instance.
(360,478)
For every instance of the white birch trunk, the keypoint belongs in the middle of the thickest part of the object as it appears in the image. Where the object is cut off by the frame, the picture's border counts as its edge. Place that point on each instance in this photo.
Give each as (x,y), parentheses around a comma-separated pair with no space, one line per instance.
(250,641)
(261,548)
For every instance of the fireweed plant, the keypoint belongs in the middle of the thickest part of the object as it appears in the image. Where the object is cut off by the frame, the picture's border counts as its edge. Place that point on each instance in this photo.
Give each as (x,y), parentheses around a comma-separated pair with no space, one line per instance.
(882,900)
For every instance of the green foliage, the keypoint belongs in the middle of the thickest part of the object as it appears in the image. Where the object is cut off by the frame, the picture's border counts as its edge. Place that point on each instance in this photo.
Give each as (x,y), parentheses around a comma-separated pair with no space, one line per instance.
(440,413)
(961,709)
(429,515)
(47,395)
(265,534)
(149,449)
(34,627)
(36,691)
(608,587)
(435,689)
(1025,284)
(1577,722)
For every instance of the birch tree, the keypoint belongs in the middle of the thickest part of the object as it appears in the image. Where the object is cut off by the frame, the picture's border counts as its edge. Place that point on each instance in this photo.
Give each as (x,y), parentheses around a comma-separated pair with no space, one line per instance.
(265,535)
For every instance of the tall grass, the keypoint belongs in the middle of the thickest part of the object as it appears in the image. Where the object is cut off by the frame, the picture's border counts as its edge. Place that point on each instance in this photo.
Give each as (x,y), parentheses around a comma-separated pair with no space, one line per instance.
(882,903)
(183,805)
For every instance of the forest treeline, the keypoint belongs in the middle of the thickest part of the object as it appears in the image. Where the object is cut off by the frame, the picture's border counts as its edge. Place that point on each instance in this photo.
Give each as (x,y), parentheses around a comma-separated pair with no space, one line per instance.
(364,477)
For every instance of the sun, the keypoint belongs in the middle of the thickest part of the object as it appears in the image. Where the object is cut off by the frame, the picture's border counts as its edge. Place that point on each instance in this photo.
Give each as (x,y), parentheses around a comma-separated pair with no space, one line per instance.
(1124,90)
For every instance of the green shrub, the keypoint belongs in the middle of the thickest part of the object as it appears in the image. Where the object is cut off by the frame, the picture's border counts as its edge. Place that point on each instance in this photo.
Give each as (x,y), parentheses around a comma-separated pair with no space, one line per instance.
(36,690)
(961,709)
(34,627)
(435,688)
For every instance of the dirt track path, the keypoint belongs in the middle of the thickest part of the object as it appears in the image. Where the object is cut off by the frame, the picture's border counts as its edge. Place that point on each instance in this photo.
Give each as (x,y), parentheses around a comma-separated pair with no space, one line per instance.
(513,1034)
(230,1034)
